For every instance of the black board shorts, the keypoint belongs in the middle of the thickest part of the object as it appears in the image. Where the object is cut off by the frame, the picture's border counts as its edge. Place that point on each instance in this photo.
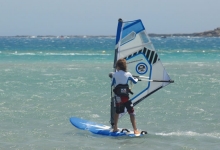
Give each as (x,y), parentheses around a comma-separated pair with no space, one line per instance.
(120,107)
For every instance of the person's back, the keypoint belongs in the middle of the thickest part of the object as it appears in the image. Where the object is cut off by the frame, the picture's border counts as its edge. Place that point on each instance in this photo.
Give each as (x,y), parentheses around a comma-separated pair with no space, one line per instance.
(122,77)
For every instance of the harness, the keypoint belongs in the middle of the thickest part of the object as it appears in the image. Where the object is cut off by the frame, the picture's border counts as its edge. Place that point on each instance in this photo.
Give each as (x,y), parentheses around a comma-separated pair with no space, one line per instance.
(122,90)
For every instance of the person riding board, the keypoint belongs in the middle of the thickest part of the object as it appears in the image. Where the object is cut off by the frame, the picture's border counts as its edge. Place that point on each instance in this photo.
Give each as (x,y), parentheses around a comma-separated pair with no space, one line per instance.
(120,81)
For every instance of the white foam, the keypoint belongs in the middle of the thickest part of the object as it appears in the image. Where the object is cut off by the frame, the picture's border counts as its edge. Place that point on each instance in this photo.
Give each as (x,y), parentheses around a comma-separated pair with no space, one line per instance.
(190,133)
(60,54)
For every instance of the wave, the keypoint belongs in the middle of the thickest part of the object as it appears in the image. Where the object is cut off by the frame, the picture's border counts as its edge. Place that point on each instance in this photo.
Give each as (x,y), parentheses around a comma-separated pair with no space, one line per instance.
(190,133)
(188,51)
(57,54)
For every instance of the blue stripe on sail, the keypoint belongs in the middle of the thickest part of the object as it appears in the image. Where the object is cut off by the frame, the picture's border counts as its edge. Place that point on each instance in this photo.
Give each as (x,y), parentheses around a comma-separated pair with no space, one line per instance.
(118,31)
(135,26)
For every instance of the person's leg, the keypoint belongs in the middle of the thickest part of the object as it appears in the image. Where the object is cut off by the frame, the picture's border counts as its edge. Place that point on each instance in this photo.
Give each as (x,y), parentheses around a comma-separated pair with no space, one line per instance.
(115,128)
(119,109)
(130,109)
(133,122)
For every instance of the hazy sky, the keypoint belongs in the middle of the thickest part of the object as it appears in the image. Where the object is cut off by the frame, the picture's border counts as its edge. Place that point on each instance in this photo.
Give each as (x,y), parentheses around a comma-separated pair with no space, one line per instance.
(99,17)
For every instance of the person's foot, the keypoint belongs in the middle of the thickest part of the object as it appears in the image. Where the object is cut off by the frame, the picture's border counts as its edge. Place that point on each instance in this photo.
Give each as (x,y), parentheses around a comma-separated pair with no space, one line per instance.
(136,132)
(115,130)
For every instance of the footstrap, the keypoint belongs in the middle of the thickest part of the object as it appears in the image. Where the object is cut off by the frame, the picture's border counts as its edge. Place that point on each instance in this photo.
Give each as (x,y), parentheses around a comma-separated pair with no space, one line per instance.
(124,130)
(143,132)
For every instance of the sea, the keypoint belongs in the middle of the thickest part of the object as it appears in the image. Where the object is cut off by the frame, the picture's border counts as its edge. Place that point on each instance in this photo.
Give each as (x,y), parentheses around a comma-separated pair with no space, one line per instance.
(46,80)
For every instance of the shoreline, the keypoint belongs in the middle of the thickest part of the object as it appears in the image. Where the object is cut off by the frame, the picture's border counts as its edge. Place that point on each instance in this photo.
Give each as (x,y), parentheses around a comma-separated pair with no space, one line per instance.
(210,33)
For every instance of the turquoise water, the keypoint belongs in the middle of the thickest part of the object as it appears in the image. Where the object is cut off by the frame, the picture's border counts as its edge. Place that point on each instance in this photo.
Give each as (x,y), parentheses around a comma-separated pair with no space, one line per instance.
(45,81)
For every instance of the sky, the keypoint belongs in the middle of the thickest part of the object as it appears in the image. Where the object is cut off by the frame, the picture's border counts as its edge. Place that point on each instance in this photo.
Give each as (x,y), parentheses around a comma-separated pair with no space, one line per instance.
(100,17)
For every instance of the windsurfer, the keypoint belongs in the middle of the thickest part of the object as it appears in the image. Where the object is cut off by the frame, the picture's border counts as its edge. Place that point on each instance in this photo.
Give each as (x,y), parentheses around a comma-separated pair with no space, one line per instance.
(119,80)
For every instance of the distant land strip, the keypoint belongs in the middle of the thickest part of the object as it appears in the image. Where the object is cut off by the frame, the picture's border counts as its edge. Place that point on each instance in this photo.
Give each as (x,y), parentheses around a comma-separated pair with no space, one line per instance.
(211,33)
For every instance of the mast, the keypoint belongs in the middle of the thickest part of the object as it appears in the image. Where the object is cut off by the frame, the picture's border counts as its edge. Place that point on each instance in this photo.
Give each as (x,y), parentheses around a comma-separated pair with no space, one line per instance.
(117,42)
(117,46)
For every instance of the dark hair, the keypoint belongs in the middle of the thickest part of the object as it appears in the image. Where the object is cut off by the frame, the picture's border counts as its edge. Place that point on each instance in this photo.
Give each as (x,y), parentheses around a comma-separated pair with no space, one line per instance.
(121,64)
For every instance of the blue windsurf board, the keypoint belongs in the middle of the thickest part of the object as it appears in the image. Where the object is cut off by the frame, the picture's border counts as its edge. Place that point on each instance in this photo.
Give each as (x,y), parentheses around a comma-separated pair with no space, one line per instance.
(101,129)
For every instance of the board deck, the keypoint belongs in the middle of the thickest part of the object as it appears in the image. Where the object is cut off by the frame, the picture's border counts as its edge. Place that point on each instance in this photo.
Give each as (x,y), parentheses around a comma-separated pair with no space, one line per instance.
(100,128)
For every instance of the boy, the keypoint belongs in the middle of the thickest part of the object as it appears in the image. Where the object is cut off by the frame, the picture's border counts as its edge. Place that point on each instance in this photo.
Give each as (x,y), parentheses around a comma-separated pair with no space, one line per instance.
(120,81)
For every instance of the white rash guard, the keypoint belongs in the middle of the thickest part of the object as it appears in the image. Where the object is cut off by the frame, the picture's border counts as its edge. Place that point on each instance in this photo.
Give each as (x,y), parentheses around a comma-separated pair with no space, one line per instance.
(122,77)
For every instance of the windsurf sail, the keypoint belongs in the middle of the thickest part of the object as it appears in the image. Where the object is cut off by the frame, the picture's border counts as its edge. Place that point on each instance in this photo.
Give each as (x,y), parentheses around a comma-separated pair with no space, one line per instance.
(134,45)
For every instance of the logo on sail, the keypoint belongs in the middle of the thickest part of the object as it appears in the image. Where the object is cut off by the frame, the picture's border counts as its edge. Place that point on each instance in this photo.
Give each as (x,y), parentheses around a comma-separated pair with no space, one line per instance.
(141,68)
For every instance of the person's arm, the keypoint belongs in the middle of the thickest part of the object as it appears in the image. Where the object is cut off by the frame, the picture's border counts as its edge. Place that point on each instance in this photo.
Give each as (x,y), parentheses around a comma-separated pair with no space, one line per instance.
(111,75)
(113,81)
(134,80)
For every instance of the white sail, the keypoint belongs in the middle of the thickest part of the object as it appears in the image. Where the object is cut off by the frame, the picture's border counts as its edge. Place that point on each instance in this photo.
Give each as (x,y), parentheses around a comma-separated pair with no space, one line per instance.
(133,44)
